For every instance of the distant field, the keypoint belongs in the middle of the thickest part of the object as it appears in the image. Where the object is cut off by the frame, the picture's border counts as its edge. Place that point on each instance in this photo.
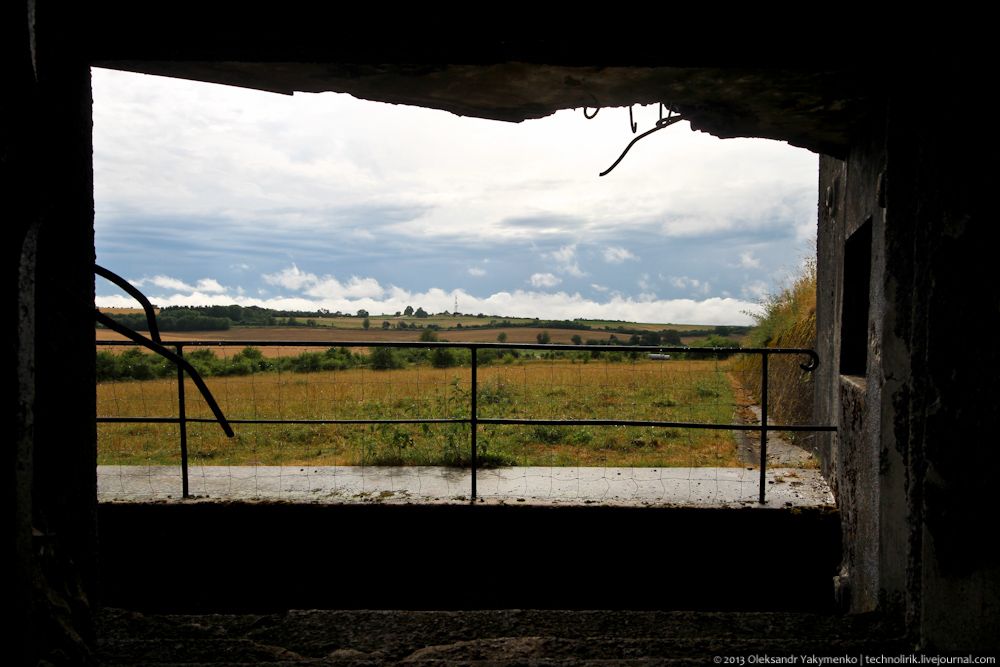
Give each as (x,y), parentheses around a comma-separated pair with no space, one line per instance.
(443,321)
(697,391)
(644,326)
(449,322)
(375,335)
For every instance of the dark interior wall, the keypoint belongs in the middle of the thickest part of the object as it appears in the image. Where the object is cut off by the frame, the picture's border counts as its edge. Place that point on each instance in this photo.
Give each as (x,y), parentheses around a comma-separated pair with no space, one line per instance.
(910,462)
(942,408)
(48,227)
(829,239)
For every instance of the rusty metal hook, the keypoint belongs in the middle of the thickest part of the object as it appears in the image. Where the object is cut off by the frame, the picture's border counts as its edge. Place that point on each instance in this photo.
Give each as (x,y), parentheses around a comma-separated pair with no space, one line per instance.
(660,124)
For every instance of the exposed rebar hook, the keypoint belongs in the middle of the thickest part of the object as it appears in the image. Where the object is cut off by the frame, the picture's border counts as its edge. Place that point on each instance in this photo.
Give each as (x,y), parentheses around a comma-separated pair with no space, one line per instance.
(660,124)
(635,126)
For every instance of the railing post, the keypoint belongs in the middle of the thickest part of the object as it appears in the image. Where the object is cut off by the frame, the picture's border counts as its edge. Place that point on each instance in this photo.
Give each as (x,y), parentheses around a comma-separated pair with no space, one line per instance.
(182,421)
(763,425)
(474,416)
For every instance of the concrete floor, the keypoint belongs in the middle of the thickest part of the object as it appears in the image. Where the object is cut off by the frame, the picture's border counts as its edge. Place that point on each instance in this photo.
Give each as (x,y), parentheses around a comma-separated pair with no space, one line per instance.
(494,638)
(695,487)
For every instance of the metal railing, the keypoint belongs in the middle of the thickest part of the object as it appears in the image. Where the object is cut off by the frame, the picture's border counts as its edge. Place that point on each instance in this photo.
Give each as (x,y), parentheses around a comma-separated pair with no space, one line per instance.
(474,420)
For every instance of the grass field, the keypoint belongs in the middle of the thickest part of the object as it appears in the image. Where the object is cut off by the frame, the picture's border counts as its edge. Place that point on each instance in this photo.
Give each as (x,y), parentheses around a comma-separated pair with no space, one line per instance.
(452,321)
(442,321)
(678,390)
(514,335)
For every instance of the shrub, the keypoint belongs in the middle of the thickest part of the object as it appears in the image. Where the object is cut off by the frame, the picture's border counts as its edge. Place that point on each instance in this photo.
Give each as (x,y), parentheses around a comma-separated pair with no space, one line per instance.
(442,357)
(107,366)
(307,362)
(384,358)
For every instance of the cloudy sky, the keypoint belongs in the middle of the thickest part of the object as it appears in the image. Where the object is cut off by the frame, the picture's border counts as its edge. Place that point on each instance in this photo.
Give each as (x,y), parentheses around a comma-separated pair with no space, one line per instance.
(213,194)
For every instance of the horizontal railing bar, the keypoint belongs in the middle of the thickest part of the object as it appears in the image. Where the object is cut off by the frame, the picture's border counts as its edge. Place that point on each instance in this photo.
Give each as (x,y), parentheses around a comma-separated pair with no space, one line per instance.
(474,419)
(483,420)
(633,422)
(203,420)
(477,346)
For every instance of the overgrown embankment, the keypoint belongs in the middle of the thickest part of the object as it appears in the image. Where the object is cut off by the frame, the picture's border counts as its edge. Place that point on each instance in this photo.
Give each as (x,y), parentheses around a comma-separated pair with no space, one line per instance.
(786,319)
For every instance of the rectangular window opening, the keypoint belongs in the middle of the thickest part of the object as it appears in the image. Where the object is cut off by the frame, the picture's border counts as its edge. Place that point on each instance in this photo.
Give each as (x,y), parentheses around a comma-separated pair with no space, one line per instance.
(855,302)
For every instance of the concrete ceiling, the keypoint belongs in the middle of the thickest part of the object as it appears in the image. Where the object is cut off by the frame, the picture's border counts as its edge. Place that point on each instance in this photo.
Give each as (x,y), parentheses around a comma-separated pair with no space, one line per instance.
(815,109)
(780,84)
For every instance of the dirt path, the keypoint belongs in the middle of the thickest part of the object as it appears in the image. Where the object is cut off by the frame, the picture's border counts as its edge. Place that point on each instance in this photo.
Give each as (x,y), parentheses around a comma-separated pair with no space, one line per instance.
(780,452)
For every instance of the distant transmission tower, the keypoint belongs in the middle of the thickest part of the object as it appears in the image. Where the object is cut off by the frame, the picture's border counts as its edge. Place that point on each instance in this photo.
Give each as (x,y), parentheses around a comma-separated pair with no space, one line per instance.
(456,303)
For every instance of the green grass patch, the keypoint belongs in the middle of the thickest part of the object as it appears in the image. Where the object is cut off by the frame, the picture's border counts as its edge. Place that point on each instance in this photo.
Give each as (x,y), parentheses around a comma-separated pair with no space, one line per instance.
(682,390)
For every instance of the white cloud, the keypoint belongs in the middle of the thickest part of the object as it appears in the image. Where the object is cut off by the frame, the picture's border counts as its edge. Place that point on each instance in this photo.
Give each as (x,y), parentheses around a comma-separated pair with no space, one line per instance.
(683,282)
(748,261)
(566,261)
(210,285)
(164,282)
(544,280)
(617,255)
(324,287)
(476,271)
(291,278)
(756,290)
(360,292)
(203,285)
(599,288)
(329,287)
(643,281)
(694,285)
(559,305)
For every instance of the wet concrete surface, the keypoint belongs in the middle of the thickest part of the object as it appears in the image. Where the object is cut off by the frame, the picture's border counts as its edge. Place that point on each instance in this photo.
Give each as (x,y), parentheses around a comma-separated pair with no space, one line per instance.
(693,487)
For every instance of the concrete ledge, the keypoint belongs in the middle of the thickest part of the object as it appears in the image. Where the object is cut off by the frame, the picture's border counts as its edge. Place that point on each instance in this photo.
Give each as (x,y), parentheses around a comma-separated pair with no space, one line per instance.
(685,487)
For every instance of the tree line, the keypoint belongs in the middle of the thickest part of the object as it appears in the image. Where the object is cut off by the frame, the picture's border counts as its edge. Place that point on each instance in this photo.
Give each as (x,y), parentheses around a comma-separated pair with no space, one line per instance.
(220,318)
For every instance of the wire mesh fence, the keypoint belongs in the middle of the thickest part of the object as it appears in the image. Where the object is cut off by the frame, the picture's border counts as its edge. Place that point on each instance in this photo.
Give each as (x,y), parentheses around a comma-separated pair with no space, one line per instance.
(436,422)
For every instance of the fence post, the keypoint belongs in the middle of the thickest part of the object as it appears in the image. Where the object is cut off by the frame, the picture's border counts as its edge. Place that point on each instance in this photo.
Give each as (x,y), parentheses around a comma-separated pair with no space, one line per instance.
(182,421)
(763,425)
(474,415)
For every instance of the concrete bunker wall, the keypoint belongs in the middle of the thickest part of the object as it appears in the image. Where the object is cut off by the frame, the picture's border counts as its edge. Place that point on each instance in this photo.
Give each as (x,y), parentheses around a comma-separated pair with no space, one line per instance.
(910,462)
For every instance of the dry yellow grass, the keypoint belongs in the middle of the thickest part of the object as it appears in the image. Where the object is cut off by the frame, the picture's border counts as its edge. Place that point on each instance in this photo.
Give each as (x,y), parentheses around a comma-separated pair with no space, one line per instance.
(689,391)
